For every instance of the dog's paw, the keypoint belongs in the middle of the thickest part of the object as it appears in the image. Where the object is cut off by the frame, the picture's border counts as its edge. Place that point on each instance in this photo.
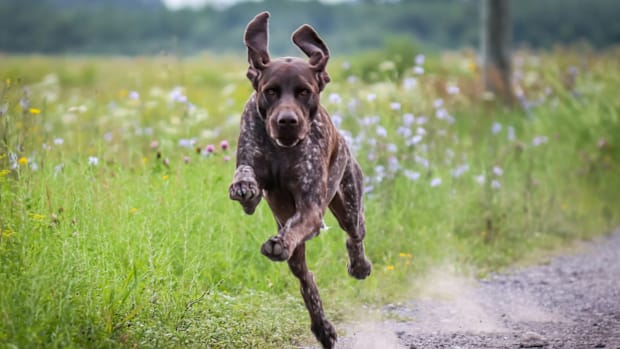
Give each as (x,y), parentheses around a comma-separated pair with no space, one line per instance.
(247,193)
(325,333)
(360,269)
(275,249)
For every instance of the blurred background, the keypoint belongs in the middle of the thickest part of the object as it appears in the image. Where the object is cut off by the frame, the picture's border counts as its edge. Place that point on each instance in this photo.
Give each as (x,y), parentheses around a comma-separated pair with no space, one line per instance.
(185,27)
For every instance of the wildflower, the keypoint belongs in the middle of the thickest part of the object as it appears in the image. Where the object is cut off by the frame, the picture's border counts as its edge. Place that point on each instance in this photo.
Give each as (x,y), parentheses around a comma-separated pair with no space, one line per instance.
(412,175)
(186,159)
(337,120)
(418,70)
(422,161)
(210,148)
(405,255)
(393,164)
(371,97)
(408,119)
(438,103)
(226,158)
(538,140)
(496,128)
(495,184)
(419,59)
(134,95)
(3,173)
(352,79)
(497,171)
(107,136)
(392,148)
(404,131)
(410,83)
(441,114)
(421,131)
(511,133)
(346,65)
(389,267)
(187,143)
(421,120)
(23,161)
(381,131)
(154,144)
(395,106)
(224,145)
(133,210)
(435,182)
(59,141)
(93,160)
(480,179)
(335,98)
(166,162)
(165,177)
(34,111)
(453,90)
(460,170)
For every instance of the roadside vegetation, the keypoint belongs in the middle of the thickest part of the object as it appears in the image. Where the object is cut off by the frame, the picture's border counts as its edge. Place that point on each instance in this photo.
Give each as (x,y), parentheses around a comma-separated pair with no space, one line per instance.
(116,229)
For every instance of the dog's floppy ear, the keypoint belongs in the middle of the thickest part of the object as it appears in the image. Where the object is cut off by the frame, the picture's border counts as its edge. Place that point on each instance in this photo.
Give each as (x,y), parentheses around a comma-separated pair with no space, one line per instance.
(307,39)
(257,40)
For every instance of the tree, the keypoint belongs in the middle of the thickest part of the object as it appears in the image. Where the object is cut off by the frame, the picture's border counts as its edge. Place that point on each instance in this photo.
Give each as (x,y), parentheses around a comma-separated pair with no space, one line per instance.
(496,33)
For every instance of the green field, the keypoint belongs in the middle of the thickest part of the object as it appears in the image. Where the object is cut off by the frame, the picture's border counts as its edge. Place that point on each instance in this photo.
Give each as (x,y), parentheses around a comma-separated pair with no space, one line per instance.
(116,229)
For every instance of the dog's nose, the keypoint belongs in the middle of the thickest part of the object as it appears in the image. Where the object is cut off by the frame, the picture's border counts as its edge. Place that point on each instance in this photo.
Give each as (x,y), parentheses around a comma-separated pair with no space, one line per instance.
(287,119)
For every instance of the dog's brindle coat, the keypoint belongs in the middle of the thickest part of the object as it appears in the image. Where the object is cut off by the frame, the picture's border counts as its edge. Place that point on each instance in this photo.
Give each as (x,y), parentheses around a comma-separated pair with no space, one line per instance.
(290,153)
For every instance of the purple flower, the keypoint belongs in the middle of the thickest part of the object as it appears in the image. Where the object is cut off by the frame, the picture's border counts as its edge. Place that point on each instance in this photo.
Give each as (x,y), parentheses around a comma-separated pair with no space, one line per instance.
(134,95)
(224,145)
(210,148)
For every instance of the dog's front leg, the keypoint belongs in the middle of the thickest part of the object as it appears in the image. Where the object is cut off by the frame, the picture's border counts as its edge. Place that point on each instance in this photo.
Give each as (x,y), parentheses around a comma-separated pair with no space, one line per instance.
(245,189)
(321,327)
(303,225)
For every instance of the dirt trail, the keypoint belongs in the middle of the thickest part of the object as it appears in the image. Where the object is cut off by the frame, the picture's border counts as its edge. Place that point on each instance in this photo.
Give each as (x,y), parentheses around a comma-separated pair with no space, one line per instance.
(571,302)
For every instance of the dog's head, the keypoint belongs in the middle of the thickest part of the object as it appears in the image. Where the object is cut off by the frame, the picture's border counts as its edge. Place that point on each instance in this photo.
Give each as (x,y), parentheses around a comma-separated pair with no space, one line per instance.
(287,89)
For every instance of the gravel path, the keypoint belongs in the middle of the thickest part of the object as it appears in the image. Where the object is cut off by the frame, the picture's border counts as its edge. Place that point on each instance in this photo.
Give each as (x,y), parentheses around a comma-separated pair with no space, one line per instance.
(571,302)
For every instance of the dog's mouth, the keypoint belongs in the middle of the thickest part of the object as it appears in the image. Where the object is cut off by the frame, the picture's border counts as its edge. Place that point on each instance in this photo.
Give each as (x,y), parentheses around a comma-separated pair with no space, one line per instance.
(287,142)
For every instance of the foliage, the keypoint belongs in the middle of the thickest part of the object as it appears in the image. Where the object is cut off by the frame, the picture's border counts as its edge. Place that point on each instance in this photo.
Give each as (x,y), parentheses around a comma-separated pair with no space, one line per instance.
(143,27)
(116,229)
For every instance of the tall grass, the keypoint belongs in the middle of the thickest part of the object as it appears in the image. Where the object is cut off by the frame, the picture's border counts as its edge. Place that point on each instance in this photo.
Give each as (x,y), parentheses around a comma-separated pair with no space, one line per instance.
(116,229)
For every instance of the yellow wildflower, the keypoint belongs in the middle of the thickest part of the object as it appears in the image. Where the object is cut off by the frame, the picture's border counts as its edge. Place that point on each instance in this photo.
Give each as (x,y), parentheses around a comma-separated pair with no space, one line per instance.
(405,255)
(6,233)
(145,160)
(4,172)
(165,177)
(34,111)
(23,161)
(133,210)
(8,82)
(390,267)
(37,217)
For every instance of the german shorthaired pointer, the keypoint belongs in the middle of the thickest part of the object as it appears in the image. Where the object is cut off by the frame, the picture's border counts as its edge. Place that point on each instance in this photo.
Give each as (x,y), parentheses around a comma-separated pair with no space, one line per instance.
(290,153)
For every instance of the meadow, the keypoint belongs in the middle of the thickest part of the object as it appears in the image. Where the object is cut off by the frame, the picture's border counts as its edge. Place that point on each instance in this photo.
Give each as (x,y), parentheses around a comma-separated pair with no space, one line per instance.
(116,229)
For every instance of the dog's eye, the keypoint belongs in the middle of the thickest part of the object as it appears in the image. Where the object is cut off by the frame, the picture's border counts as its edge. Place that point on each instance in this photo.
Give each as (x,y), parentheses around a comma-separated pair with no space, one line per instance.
(303,92)
(271,92)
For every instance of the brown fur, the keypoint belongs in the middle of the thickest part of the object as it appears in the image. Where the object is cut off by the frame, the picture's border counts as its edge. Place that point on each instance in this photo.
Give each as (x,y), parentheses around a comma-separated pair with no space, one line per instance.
(290,153)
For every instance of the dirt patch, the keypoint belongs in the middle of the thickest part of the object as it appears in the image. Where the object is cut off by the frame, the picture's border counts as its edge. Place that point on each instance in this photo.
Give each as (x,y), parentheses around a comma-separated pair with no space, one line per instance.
(571,302)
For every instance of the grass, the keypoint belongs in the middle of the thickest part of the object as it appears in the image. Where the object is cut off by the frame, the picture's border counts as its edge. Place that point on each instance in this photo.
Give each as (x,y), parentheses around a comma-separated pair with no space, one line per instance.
(116,228)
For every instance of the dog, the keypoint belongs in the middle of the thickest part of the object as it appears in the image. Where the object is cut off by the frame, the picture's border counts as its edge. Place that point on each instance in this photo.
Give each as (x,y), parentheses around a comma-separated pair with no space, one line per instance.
(290,153)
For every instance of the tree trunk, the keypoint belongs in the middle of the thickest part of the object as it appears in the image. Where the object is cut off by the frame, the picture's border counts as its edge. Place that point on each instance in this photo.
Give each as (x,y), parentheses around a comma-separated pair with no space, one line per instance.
(496,34)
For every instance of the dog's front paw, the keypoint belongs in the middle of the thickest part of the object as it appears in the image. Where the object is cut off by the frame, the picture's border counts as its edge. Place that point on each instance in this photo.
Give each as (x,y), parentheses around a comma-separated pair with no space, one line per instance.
(275,249)
(360,269)
(325,333)
(247,193)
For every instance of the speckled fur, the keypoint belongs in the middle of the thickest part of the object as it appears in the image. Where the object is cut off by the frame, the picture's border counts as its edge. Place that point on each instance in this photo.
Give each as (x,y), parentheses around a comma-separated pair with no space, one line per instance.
(290,153)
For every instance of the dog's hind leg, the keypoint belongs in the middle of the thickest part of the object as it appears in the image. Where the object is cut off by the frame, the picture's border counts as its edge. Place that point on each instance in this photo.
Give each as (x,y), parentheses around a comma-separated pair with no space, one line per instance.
(321,327)
(348,209)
